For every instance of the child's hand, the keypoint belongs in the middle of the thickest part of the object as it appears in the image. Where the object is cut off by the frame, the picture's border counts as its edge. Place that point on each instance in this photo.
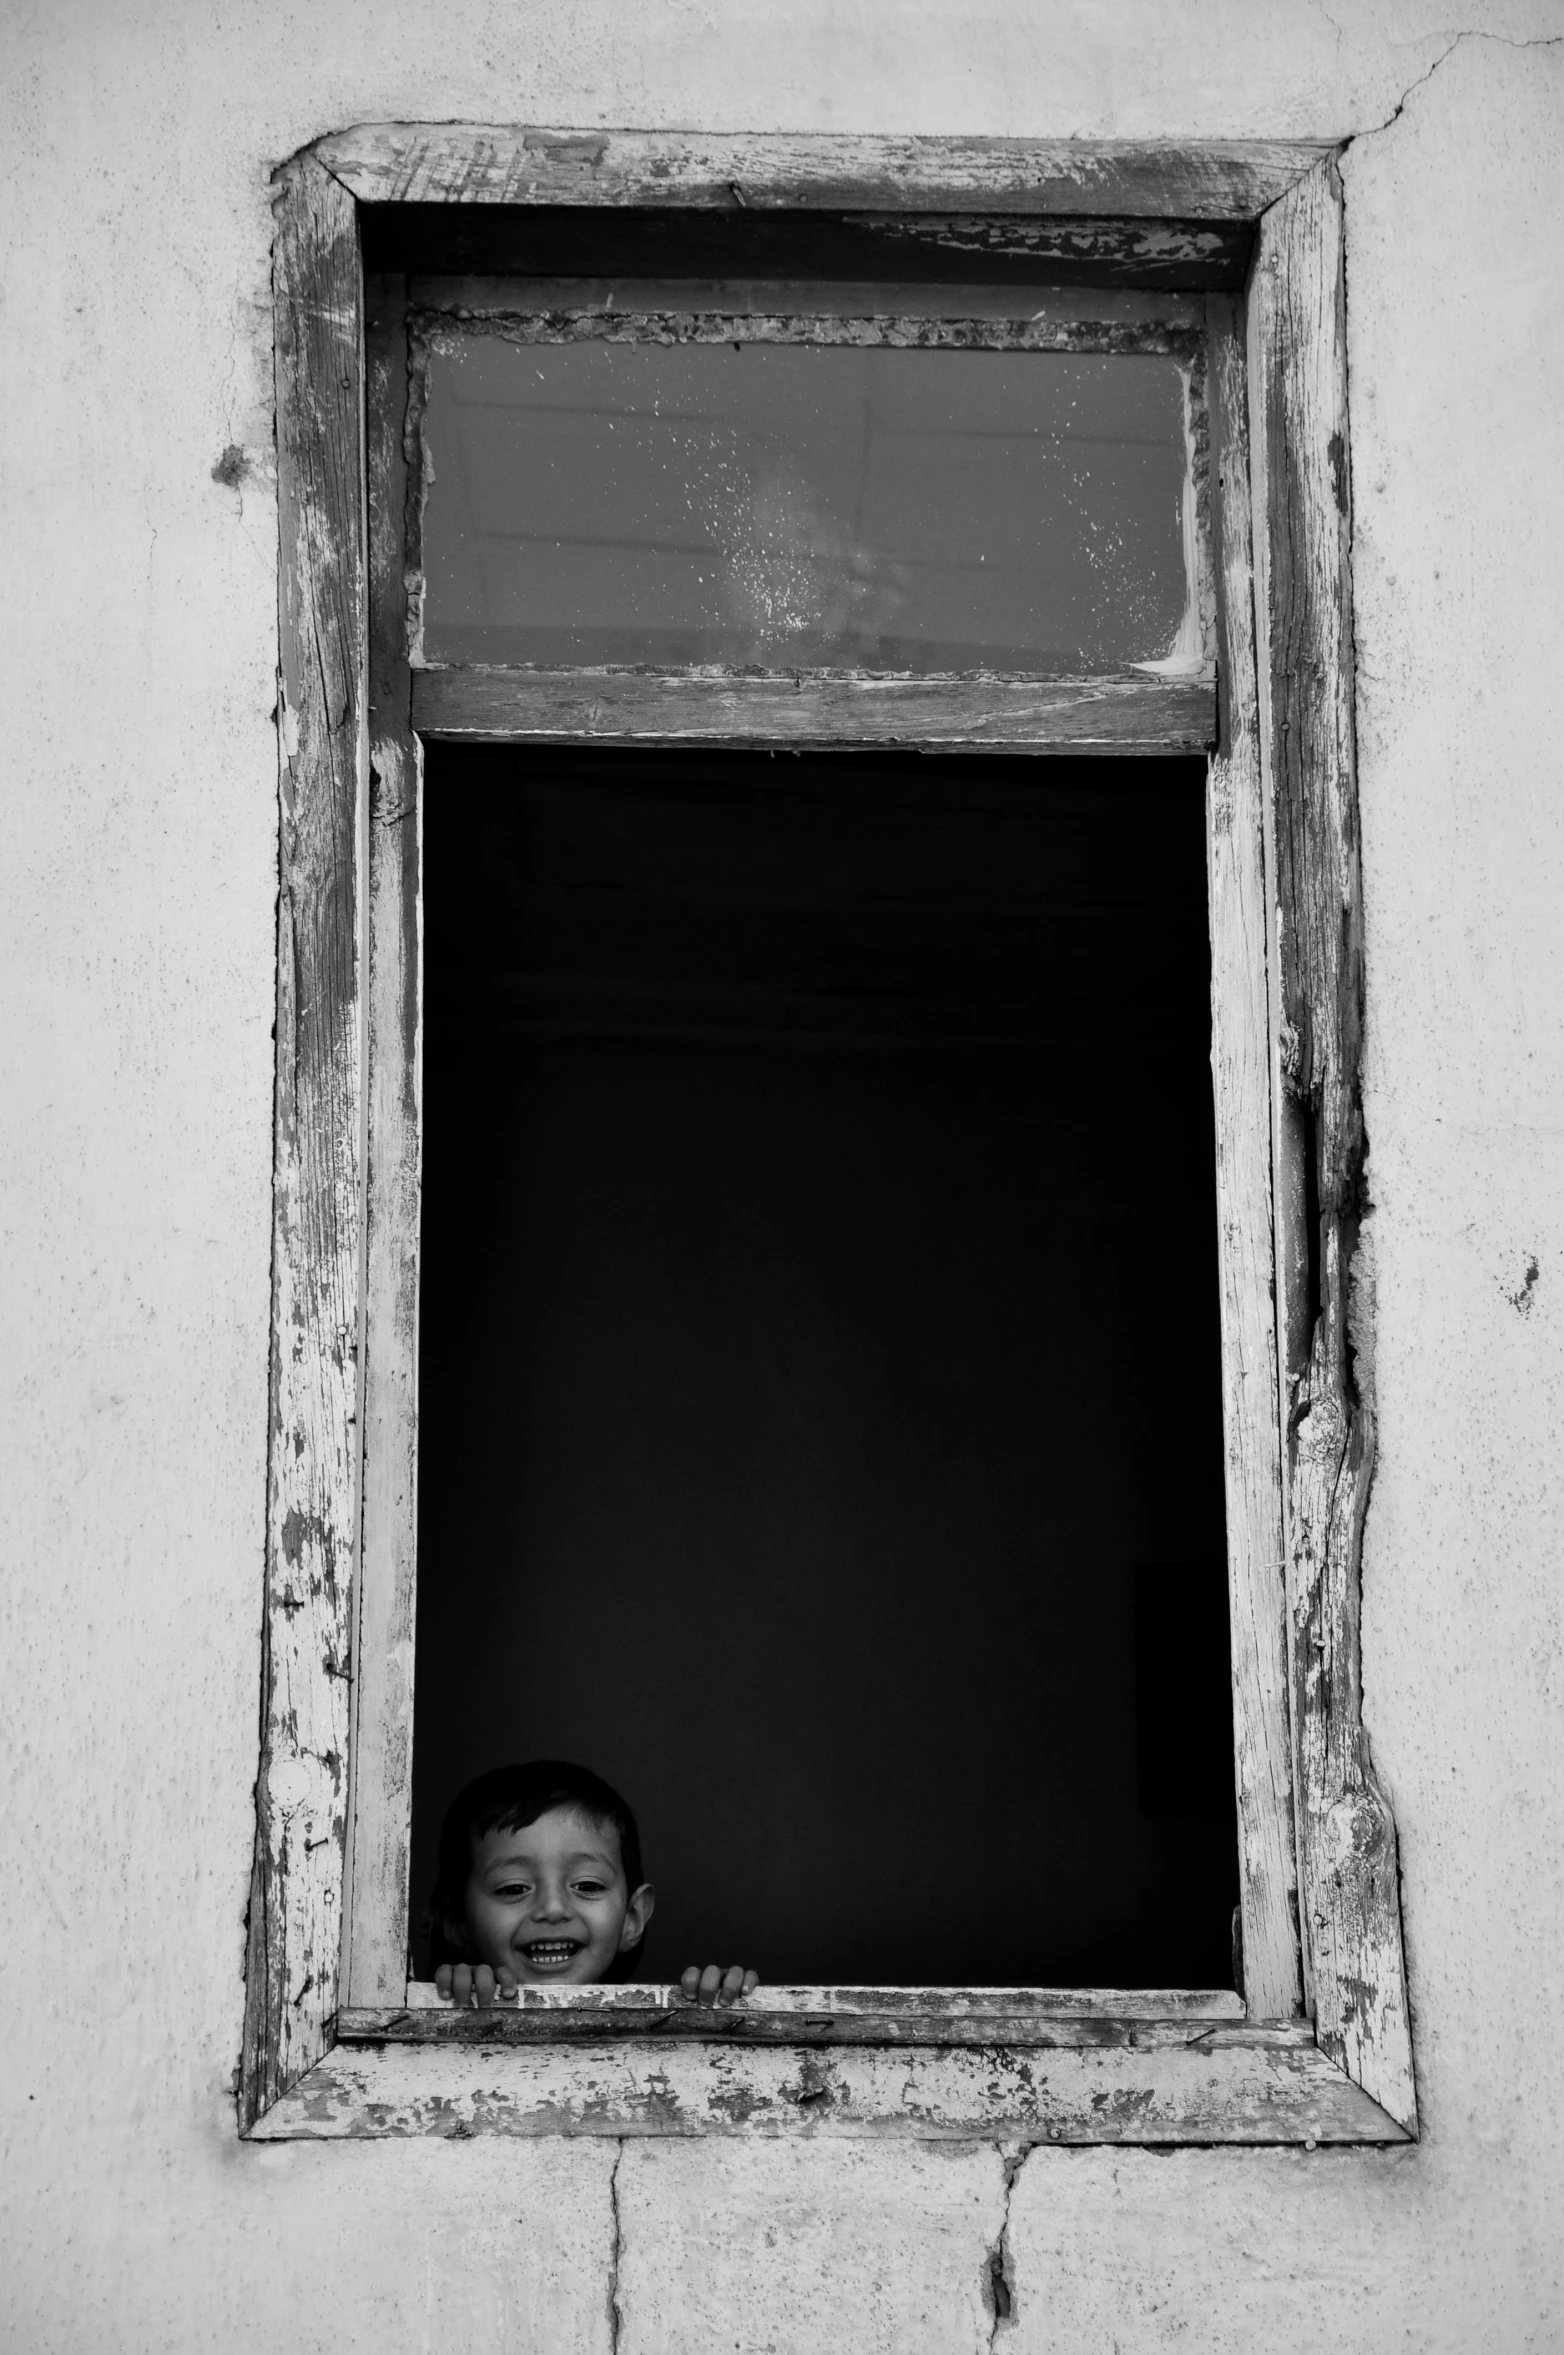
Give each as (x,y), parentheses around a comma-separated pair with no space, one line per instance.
(715,1985)
(474,1983)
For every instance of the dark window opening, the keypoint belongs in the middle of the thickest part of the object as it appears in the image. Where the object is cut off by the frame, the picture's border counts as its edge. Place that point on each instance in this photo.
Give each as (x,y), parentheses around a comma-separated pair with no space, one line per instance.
(819,1337)
(1183,1691)
(638,242)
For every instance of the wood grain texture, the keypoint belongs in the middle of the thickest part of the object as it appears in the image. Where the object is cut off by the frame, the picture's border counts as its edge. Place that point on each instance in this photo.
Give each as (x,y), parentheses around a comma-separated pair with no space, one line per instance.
(301,1792)
(1027,306)
(754,2023)
(1241,1087)
(375,1933)
(1201,2004)
(1061,327)
(985,2016)
(1117,713)
(510,163)
(1354,1966)
(1231,2084)
(1131,253)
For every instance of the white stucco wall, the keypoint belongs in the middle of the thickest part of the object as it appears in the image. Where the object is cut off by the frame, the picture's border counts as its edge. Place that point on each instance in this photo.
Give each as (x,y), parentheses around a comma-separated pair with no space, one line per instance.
(135,1019)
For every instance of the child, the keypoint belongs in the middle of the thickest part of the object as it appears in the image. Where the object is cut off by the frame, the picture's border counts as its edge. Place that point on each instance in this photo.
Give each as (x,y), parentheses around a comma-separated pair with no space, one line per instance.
(540,1886)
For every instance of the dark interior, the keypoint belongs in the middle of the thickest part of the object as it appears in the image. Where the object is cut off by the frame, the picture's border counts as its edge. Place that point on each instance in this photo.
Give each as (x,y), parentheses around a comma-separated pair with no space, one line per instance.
(894,247)
(820,1411)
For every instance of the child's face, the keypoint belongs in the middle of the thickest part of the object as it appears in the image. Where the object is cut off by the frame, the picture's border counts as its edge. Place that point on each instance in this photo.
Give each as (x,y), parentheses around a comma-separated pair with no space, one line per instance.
(550,1902)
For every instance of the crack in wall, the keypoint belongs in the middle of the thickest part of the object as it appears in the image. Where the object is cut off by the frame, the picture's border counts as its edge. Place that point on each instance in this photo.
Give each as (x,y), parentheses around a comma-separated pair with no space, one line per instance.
(1339,30)
(615,2311)
(999,2284)
(1541,41)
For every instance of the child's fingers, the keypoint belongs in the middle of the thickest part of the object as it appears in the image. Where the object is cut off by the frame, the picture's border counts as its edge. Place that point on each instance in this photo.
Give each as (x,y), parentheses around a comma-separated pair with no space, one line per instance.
(461,1985)
(442,1981)
(716,1985)
(506,1986)
(483,1986)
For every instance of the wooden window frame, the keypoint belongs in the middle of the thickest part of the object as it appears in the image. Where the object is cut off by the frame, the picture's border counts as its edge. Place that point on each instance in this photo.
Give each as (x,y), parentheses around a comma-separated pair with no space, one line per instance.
(336,2043)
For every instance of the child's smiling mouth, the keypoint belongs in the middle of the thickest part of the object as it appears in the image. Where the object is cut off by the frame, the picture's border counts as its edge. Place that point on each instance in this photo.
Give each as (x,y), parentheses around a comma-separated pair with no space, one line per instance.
(553,1954)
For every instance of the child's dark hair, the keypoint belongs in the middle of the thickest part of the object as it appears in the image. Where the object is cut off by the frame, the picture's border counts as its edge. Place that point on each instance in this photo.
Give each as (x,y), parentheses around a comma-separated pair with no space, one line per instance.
(507,1799)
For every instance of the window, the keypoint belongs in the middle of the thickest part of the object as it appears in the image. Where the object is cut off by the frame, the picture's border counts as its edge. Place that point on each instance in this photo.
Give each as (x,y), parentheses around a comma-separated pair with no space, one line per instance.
(825,633)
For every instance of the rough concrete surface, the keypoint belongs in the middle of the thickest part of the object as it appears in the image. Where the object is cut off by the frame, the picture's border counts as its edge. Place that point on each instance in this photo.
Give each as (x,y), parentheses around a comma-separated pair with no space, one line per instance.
(792,2247)
(139,767)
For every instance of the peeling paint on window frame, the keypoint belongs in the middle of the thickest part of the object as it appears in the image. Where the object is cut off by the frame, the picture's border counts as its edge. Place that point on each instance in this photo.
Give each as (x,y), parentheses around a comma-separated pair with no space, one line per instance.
(337,2044)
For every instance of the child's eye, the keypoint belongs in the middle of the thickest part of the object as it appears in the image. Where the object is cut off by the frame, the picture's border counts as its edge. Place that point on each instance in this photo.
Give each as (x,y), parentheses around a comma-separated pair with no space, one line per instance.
(591,1888)
(514,1889)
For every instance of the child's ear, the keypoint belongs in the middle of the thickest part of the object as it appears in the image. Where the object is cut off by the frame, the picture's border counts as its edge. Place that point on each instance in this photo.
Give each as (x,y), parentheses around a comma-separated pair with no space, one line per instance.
(638,1913)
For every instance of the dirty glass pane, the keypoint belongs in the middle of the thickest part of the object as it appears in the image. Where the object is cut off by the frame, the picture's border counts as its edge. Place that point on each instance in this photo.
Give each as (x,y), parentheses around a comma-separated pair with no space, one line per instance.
(803,506)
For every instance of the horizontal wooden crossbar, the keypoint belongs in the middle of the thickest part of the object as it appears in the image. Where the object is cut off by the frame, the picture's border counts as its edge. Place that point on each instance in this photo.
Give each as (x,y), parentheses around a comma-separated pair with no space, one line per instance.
(971,2003)
(984,2016)
(1123,713)
(512,163)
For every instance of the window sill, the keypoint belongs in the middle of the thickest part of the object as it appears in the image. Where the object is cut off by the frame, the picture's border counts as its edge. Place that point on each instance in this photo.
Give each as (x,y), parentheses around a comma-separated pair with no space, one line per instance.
(1036,2065)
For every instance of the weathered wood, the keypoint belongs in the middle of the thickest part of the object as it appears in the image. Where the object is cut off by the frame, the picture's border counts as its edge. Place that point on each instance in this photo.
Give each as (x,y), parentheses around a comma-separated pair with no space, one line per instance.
(1201,2004)
(791,310)
(753,2023)
(982,2016)
(756,2022)
(1197,639)
(301,1791)
(375,1926)
(1129,253)
(1232,2084)
(1354,1966)
(1057,327)
(1117,713)
(1075,2074)
(1241,1088)
(510,163)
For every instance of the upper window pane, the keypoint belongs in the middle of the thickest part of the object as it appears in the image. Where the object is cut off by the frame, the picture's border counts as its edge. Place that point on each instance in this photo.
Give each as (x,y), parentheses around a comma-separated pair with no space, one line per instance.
(795,505)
